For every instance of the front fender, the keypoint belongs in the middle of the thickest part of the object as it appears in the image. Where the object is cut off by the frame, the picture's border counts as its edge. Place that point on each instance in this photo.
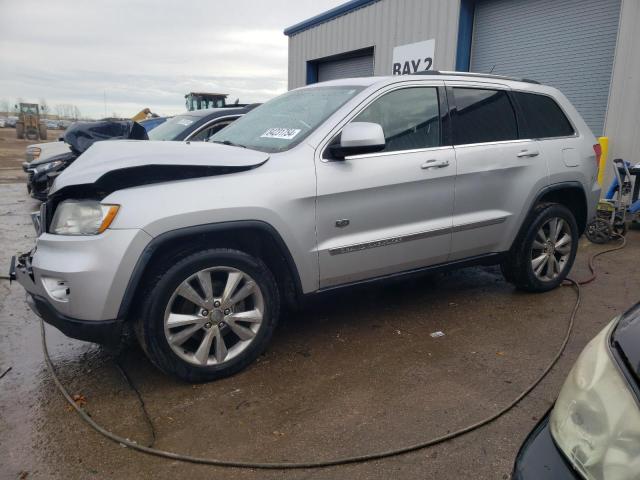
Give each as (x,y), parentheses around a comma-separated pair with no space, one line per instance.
(187,233)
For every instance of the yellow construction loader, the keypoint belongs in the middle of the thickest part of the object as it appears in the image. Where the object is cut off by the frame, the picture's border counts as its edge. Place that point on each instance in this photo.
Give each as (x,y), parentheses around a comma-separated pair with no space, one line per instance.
(141,115)
(28,124)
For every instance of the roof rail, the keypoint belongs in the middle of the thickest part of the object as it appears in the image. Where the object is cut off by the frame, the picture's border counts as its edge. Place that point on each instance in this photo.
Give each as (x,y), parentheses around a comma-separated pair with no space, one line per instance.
(475,74)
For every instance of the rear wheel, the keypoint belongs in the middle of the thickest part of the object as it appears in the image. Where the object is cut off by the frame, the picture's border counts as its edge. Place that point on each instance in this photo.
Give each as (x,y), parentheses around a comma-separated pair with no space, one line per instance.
(209,315)
(544,252)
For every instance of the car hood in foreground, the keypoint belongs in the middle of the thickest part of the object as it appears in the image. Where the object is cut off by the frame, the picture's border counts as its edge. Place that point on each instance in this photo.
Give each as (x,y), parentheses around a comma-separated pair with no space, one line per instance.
(116,164)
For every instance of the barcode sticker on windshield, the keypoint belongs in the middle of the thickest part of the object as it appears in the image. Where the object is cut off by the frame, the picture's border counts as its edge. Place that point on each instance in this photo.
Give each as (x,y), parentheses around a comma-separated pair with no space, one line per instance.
(283,133)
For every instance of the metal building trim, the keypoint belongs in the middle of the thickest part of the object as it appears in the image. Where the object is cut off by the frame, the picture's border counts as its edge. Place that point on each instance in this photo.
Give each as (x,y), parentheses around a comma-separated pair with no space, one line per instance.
(327,16)
(465,35)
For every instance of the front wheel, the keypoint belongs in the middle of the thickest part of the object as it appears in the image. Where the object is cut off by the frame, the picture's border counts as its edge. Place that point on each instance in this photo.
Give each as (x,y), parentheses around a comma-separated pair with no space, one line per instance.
(209,315)
(544,252)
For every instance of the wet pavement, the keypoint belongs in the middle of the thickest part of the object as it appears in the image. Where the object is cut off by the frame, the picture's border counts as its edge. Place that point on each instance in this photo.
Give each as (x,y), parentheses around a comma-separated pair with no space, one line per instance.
(354,372)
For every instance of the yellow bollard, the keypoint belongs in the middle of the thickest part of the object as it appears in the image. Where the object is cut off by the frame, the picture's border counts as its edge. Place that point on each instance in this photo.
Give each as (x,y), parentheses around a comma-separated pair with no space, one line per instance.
(604,145)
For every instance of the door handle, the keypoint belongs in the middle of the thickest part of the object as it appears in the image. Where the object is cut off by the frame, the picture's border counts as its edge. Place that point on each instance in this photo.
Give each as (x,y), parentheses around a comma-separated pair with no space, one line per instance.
(528,153)
(434,164)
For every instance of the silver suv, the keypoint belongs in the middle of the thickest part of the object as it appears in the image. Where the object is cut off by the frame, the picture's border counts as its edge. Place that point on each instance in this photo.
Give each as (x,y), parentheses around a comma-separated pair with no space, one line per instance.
(196,247)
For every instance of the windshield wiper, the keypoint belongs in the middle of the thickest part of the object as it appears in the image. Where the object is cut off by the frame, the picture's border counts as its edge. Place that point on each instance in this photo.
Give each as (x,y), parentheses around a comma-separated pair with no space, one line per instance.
(227,142)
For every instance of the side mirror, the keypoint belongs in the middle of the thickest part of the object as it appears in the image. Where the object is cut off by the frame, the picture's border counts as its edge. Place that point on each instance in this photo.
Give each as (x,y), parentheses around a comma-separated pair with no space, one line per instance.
(358,138)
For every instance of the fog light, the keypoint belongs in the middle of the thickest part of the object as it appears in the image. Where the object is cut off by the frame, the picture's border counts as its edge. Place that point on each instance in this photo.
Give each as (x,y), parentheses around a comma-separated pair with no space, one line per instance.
(57,288)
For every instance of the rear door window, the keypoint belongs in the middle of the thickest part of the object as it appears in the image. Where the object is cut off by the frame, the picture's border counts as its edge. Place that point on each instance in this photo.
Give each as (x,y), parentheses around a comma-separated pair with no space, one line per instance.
(482,116)
(543,118)
(409,117)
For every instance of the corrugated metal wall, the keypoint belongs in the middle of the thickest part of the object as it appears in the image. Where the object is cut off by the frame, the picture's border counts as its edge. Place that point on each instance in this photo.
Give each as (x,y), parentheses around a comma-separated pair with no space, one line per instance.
(623,116)
(384,24)
(567,44)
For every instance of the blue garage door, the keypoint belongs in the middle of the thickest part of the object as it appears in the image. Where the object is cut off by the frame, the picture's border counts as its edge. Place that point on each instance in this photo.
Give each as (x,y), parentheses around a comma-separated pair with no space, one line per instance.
(568,44)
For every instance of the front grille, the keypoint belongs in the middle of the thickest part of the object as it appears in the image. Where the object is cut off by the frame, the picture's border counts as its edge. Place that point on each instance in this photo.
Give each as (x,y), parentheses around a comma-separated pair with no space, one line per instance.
(37,224)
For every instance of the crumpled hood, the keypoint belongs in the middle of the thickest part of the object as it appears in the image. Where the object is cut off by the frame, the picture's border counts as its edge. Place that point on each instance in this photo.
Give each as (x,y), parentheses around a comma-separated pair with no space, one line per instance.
(116,164)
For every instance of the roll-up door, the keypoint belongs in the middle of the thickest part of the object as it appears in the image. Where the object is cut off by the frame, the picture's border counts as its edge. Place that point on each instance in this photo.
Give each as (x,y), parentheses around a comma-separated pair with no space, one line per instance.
(345,68)
(568,44)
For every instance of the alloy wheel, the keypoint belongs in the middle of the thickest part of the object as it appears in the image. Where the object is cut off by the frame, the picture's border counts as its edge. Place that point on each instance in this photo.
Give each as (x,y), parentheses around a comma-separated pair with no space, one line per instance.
(213,316)
(551,249)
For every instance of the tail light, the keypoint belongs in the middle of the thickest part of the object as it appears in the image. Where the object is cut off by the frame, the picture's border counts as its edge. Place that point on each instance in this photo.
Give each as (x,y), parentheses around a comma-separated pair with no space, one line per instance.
(597,148)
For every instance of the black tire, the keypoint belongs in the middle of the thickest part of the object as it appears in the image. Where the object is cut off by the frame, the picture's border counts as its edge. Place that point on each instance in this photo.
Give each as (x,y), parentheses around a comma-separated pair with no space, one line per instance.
(517,266)
(620,226)
(32,133)
(598,231)
(149,326)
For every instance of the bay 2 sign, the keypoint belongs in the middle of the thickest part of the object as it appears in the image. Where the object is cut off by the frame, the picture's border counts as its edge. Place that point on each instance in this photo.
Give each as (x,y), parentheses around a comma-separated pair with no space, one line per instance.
(413,57)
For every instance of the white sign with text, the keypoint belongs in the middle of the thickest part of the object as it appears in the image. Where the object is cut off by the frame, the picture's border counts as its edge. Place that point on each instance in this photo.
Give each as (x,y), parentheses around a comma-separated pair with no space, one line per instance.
(413,57)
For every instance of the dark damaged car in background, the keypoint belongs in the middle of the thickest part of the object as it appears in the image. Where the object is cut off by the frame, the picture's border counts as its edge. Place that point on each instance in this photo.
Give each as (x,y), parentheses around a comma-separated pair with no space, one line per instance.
(39,153)
(78,138)
(196,126)
(593,430)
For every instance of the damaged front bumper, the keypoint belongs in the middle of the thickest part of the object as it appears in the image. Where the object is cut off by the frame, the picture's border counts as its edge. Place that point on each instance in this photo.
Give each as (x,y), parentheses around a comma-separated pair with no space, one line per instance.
(106,332)
(77,283)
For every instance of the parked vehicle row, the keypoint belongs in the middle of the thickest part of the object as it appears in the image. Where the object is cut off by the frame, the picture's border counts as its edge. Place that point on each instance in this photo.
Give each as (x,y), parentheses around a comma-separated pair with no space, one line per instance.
(8,122)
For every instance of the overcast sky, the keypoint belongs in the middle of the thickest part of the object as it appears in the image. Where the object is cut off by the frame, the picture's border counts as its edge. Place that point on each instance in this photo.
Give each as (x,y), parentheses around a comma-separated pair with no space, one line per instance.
(145,53)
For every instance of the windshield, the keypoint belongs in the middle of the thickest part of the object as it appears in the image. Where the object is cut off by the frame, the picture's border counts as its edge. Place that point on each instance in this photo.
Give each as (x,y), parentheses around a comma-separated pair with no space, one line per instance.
(29,109)
(200,103)
(173,127)
(285,121)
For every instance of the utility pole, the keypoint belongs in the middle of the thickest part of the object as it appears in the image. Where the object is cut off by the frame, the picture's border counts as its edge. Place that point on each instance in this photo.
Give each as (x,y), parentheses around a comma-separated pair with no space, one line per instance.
(104,96)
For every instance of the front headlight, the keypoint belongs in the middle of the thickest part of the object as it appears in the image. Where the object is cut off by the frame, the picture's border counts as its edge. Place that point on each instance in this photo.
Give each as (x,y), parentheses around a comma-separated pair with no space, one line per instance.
(596,419)
(82,217)
(33,153)
(47,167)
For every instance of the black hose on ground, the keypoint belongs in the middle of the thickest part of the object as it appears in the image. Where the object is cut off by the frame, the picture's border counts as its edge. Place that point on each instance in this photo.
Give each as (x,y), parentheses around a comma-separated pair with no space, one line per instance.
(344,460)
(143,405)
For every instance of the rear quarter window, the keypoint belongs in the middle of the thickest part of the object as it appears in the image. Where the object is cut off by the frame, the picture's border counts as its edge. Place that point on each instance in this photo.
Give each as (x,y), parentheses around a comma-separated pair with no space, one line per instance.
(543,117)
(482,116)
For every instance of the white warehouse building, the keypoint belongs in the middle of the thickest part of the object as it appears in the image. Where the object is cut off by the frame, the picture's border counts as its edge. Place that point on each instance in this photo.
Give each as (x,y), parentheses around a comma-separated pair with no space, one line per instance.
(589,49)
